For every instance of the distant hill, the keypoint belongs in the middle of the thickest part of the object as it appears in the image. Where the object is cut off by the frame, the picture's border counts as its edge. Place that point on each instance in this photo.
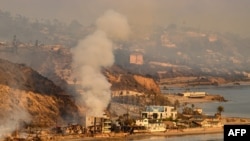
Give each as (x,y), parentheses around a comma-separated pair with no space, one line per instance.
(177,51)
(171,51)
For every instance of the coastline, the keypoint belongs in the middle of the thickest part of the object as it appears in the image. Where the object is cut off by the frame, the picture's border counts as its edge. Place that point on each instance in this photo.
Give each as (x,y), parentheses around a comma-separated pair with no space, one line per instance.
(194,131)
(168,133)
(208,98)
(138,136)
(180,133)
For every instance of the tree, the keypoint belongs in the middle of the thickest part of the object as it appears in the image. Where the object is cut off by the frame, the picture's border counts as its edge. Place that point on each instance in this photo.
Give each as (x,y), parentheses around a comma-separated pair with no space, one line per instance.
(187,110)
(192,106)
(185,104)
(220,109)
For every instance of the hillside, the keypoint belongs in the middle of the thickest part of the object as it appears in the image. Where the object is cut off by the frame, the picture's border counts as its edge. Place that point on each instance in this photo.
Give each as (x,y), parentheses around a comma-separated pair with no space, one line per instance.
(29,98)
(177,51)
(173,50)
(122,80)
(43,100)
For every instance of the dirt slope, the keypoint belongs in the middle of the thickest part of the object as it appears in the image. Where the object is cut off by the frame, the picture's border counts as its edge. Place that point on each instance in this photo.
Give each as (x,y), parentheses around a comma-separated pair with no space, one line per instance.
(122,80)
(27,96)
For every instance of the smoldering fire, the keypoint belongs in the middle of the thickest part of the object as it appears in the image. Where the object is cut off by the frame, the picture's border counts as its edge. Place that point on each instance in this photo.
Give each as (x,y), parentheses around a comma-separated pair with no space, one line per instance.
(93,53)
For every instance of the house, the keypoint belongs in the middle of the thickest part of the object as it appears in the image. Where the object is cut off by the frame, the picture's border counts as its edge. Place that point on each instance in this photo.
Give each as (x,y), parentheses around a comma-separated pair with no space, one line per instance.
(184,124)
(198,110)
(97,124)
(151,125)
(159,112)
(193,94)
(206,121)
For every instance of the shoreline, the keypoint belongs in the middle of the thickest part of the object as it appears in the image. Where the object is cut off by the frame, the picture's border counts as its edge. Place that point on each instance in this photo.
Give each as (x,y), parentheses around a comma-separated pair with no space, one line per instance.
(207,99)
(225,84)
(140,136)
(168,133)
(194,131)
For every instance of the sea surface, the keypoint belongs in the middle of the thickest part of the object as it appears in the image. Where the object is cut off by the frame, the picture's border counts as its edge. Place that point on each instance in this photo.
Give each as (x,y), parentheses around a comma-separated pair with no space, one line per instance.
(238,105)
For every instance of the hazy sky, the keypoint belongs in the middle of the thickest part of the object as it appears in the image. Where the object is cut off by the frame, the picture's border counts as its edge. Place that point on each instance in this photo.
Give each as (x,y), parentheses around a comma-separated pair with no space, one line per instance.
(223,15)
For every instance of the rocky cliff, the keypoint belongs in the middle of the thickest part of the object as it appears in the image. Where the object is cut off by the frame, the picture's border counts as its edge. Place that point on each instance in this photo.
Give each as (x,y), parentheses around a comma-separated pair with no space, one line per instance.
(123,80)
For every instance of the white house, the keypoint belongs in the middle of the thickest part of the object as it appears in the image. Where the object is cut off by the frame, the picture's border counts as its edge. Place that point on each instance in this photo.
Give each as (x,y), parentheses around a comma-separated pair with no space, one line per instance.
(194,94)
(159,112)
(153,126)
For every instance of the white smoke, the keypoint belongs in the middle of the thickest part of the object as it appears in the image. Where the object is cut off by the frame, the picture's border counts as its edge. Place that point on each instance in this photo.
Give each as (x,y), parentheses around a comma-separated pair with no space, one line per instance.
(13,122)
(13,115)
(114,24)
(93,53)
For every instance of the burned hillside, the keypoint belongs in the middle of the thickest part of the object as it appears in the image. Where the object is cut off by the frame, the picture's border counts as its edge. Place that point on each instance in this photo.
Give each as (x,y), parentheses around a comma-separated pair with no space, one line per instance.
(30,98)
(123,80)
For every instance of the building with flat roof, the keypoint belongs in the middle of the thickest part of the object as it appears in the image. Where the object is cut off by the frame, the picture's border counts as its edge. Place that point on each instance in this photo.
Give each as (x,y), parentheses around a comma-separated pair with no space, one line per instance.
(194,94)
(159,112)
(97,124)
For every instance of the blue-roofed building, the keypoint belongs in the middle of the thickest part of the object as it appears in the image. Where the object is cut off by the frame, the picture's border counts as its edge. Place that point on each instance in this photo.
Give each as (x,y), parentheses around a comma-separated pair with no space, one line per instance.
(159,112)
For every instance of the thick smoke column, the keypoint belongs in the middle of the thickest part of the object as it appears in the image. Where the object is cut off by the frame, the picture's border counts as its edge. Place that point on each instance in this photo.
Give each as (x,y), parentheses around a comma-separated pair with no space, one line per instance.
(93,53)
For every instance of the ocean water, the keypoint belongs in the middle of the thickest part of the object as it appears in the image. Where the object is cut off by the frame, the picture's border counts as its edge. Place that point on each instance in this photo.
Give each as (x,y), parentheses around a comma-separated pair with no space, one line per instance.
(237,106)
(238,99)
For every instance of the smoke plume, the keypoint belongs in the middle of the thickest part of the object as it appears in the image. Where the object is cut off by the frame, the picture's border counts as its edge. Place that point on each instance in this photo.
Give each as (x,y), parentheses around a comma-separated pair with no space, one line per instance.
(93,53)
(14,121)
(14,115)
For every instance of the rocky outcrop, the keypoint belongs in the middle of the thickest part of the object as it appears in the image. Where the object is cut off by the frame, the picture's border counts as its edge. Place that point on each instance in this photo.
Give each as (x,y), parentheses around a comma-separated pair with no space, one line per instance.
(147,82)
(122,80)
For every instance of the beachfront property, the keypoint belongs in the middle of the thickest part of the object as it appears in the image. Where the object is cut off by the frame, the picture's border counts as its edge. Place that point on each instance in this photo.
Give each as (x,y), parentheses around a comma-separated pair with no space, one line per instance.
(198,110)
(151,125)
(193,94)
(206,120)
(202,121)
(97,124)
(159,112)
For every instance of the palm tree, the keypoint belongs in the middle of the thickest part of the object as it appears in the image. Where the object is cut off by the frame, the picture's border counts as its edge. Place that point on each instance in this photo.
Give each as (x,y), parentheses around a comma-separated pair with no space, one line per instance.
(220,109)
